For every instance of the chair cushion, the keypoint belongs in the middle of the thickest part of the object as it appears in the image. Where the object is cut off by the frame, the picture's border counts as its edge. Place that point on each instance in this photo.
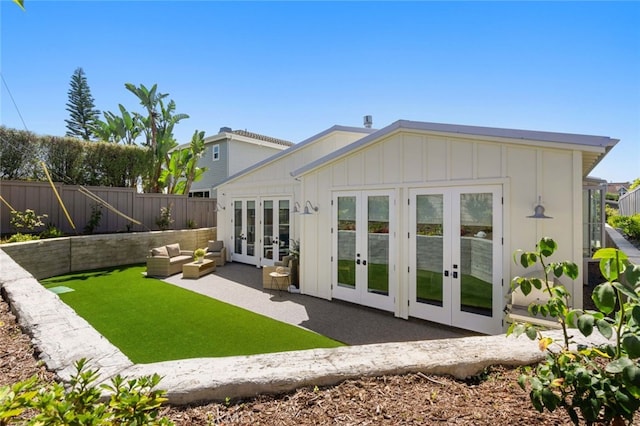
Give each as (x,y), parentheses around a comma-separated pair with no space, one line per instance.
(160,251)
(182,259)
(173,250)
(215,246)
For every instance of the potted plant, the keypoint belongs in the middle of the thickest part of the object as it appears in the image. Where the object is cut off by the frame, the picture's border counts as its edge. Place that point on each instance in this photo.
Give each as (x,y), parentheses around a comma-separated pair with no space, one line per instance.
(198,254)
(294,251)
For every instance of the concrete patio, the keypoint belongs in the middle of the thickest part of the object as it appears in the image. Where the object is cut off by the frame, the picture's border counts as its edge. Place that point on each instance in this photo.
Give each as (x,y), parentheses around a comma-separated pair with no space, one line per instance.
(241,285)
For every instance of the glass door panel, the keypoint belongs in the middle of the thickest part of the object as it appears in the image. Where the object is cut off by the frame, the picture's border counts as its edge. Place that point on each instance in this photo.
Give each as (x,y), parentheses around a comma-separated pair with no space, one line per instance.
(238,231)
(476,253)
(378,245)
(346,230)
(267,230)
(429,247)
(251,228)
(284,228)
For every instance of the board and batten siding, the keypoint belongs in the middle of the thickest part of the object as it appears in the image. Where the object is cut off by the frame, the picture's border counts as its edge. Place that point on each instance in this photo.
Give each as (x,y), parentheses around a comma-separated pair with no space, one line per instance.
(274,179)
(406,160)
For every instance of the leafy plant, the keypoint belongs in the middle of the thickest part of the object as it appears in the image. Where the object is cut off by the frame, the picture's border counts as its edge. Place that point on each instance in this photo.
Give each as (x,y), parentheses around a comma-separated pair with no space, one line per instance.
(629,225)
(50,231)
(19,238)
(131,402)
(602,384)
(199,253)
(94,219)
(294,249)
(191,224)
(27,219)
(164,221)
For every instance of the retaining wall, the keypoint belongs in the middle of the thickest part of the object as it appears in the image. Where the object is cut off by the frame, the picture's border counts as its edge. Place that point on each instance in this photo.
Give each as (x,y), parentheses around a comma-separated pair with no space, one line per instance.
(56,256)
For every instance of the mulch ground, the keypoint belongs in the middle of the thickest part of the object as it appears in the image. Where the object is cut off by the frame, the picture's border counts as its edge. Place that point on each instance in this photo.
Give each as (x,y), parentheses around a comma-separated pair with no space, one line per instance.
(493,398)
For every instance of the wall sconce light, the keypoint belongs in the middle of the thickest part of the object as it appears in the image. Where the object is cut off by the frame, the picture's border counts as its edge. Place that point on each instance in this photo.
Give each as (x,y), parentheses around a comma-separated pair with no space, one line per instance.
(306,208)
(296,208)
(219,207)
(538,211)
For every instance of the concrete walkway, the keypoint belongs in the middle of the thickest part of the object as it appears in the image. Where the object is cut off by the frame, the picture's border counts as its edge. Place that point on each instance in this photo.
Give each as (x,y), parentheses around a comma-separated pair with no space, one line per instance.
(241,285)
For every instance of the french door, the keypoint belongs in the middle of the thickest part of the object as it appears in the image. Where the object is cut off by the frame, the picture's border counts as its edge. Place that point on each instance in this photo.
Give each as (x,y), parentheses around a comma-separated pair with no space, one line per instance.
(244,231)
(455,257)
(276,229)
(364,244)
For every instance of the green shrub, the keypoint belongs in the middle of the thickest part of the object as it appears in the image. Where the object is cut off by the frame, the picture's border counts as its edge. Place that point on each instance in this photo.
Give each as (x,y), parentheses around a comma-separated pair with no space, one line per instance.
(27,219)
(164,221)
(629,225)
(94,220)
(612,196)
(131,402)
(20,238)
(50,231)
(602,384)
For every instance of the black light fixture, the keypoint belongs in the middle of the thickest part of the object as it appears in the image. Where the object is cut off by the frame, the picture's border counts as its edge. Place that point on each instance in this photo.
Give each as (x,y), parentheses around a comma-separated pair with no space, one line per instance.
(219,207)
(306,208)
(538,211)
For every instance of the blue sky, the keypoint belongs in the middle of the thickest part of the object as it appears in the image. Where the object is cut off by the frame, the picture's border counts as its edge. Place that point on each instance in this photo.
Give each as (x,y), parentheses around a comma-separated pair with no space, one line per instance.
(292,69)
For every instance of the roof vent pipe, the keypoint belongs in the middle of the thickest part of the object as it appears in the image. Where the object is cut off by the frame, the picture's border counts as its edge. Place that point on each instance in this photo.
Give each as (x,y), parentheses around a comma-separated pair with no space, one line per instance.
(368,121)
(225,130)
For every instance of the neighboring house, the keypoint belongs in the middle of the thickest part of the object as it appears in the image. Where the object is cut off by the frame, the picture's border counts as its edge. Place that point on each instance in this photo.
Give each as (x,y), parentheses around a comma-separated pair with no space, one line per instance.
(619,188)
(419,219)
(230,151)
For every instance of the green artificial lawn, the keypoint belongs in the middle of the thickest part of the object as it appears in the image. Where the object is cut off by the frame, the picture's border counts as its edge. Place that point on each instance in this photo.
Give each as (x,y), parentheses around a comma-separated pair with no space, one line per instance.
(151,321)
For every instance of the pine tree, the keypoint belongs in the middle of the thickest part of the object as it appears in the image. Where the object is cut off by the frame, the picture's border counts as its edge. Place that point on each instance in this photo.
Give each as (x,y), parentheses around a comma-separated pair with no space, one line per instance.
(83,115)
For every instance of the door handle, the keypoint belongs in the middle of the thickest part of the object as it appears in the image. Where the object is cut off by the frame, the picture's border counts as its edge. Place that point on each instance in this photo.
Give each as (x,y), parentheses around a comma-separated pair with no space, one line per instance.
(357,261)
(455,274)
(364,263)
(446,273)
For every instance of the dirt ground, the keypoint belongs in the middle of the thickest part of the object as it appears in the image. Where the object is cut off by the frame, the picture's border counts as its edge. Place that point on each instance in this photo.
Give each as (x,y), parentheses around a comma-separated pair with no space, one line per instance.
(492,398)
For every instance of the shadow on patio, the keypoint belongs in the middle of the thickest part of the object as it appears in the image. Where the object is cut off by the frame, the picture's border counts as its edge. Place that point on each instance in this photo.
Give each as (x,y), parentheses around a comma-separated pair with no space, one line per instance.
(241,285)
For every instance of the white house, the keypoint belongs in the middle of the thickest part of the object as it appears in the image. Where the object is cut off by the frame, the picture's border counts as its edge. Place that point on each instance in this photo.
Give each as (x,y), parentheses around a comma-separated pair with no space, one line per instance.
(419,219)
(229,152)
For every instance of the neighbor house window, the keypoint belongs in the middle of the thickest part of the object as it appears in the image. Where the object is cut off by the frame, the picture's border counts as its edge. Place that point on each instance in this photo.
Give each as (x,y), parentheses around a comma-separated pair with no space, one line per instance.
(216,152)
(199,194)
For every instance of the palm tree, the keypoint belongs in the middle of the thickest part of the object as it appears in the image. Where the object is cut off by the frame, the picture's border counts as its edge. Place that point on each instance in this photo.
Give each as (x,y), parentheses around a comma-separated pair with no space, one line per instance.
(158,128)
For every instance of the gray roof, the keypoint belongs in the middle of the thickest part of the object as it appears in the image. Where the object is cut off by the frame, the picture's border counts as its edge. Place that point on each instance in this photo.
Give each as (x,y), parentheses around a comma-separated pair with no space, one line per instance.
(262,137)
(295,147)
(590,161)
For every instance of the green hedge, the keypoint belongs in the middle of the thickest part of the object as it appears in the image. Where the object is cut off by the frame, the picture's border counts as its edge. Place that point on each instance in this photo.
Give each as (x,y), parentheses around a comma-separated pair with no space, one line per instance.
(629,225)
(71,161)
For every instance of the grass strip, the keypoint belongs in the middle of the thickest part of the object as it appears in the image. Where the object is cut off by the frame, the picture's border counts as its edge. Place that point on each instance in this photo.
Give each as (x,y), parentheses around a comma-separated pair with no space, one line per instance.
(151,321)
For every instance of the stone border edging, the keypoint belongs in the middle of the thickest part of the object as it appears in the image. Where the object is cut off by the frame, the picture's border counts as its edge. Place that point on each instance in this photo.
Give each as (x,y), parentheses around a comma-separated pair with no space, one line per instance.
(62,337)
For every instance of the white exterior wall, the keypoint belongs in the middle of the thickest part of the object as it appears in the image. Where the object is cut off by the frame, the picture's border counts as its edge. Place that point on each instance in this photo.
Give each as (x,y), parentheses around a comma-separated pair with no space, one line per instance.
(274,179)
(406,160)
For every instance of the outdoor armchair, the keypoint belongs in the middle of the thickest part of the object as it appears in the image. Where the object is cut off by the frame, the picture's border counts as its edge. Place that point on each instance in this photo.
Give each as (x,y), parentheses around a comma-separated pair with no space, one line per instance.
(216,251)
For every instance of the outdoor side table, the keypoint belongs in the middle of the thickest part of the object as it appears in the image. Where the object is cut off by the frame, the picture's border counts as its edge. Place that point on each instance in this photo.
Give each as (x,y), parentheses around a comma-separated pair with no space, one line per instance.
(279,279)
(195,270)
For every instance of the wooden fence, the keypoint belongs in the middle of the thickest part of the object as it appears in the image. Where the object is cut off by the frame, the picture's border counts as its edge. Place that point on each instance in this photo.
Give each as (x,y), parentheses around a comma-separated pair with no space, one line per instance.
(629,203)
(145,208)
